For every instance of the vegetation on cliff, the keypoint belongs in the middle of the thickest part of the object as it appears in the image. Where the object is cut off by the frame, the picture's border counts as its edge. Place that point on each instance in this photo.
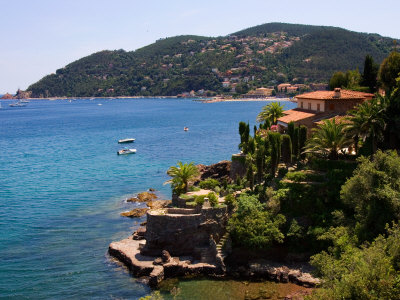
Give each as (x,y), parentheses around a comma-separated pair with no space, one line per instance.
(259,56)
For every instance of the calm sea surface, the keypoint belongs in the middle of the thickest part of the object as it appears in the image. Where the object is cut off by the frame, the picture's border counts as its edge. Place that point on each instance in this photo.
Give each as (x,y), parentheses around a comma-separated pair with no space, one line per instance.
(62,185)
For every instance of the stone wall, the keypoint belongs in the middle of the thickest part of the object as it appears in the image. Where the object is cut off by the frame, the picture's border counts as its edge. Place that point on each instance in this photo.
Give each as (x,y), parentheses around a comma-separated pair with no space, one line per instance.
(181,234)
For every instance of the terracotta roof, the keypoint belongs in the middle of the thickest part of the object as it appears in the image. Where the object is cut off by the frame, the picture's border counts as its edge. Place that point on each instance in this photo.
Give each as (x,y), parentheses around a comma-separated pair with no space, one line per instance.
(295,115)
(330,95)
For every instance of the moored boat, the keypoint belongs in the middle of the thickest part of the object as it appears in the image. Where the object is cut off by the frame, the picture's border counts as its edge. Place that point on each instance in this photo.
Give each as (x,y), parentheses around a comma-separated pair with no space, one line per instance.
(17,104)
(126,151)
(186,128)
(124,141)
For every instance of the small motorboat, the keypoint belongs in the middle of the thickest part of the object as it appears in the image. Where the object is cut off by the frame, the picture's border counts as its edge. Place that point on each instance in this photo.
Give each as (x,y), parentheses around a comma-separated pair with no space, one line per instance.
(125,141)
(18,104)
(126,151)
(186,128)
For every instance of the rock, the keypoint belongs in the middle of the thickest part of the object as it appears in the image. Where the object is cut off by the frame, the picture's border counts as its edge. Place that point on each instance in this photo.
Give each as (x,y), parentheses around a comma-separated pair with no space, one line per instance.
(156,276)
(135,213)
(307,280)
(158,204)
(220,170)
(165,256)
(139,233)
(151,190)
(158,261)
(7,96)
(143,197)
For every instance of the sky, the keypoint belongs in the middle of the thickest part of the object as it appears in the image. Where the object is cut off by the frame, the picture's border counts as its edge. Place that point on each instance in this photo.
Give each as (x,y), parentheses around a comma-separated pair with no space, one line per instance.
(37,37)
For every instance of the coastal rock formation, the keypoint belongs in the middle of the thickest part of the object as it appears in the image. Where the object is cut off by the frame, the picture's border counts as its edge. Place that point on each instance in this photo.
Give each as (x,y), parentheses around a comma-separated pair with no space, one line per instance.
(263,269)
(143,197)
(219,171)
(135,213)
(7,96)
(128,252)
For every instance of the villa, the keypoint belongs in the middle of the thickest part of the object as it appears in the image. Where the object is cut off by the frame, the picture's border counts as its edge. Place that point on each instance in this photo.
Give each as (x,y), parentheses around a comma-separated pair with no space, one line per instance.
(316,106)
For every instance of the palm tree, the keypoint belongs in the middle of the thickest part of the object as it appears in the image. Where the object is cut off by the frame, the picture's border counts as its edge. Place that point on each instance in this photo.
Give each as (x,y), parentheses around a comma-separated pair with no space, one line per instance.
(181,176)
(367,120)
(271,112)
(328,139)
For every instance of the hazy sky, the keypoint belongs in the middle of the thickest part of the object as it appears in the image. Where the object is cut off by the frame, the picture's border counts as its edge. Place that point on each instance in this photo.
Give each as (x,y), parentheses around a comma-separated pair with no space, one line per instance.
(40,36)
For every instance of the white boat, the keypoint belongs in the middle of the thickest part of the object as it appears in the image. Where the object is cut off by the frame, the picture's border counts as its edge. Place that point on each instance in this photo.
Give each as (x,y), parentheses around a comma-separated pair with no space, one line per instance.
(99,104)
(126,151)
(124,141)
(23,101)
(18,104)
(186,128)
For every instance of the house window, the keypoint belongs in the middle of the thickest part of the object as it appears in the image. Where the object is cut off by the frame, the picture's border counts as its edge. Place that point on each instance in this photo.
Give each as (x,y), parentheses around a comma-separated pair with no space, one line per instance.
(331,106)
(318,107)
(309,106)
(301,104)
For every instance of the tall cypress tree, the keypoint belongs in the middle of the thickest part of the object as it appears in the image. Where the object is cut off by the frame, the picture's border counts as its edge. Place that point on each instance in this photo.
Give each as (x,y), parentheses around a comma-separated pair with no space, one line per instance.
(302,140)
(370,74)
(286,149)
(295,142)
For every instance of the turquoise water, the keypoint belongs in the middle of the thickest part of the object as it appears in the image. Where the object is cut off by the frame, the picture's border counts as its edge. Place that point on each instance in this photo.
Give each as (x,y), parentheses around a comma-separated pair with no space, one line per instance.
(62,185)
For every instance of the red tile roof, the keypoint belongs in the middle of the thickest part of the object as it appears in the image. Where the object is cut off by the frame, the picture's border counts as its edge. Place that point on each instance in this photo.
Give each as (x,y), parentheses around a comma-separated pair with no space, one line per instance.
(295,115)
(330,95)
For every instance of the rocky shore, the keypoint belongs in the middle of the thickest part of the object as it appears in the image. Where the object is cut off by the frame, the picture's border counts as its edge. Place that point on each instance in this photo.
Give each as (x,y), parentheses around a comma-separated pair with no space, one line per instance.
(181,241)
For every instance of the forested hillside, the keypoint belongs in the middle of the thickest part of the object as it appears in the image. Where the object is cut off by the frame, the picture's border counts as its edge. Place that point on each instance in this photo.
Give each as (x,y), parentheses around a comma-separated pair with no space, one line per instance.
(259,56)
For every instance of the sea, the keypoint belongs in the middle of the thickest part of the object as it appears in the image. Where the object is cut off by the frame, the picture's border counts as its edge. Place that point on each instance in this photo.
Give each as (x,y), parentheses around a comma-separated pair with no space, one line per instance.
(63,187)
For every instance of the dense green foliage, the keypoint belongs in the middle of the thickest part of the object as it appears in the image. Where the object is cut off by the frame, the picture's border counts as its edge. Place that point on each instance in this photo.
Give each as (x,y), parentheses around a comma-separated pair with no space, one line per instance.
(183,63)
(286,149)
(389,71)
(209,184)
(349,272)
(373,193)
(253,226)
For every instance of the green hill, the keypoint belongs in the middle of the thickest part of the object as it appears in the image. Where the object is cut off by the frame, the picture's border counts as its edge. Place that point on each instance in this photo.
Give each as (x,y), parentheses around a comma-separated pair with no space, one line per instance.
(259,56)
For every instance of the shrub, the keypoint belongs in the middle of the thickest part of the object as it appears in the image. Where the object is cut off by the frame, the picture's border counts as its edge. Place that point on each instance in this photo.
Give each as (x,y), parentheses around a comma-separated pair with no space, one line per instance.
(254,227)
(230,201)
(200,199)
(209,184)
(213,199)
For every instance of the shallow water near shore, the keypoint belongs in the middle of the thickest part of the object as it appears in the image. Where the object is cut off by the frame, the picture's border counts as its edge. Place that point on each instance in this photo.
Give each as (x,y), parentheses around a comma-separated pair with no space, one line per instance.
(62,185)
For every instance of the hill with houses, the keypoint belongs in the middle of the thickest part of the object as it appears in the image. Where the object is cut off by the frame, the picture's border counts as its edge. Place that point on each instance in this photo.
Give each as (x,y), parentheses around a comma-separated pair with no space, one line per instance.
(261,56)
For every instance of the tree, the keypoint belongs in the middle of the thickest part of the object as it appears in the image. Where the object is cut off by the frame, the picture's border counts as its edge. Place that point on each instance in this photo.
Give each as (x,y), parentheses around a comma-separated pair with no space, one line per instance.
(353,79)
(328,139)
(290,130)
(254,227)
(389,71)
(272,112)
(338,80)
(369,272)
(302,139)
(275,142)
(244,132)
(370,74)
(374,193)
(286,149)
(367,120)
(295,141)
(181,176)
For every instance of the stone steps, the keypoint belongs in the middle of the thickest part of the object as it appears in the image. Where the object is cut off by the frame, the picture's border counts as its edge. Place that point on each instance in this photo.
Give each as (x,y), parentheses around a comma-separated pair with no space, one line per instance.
(222,249)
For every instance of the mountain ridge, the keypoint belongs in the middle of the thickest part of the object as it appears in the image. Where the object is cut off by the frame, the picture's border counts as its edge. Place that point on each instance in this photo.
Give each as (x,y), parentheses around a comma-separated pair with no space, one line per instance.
(261,55)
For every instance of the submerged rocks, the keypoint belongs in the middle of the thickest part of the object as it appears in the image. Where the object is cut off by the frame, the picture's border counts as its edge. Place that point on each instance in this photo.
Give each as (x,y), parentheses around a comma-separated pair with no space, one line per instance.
(135,213)
(143,197)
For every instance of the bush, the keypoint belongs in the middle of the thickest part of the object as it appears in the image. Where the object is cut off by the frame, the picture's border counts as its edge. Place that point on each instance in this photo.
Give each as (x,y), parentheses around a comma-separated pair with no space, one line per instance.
(200,200)
(213,199)
(209,184)
(230,201)
(254,227)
